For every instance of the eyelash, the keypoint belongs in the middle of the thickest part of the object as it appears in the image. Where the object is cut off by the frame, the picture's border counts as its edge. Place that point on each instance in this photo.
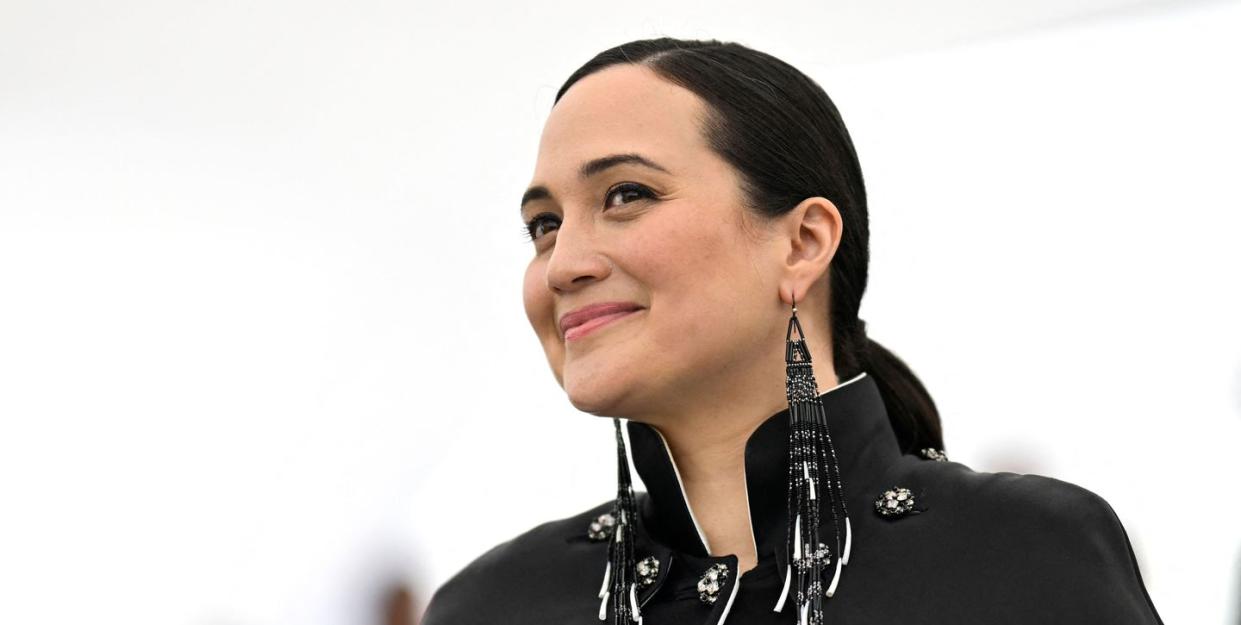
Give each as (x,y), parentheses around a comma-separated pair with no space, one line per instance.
(527,230)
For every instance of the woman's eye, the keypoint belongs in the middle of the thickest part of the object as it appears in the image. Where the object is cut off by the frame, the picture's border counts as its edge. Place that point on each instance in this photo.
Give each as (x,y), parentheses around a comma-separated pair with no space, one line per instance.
(532,229)
(631,190)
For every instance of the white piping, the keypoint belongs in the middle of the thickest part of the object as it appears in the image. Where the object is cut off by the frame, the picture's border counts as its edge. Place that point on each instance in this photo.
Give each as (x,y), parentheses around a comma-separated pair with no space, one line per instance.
(728,606)
(855,379)
(685,497)
(748,516)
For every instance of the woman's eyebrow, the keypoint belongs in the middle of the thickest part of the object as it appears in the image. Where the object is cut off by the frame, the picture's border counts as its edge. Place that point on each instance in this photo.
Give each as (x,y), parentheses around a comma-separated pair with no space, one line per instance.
(591,168)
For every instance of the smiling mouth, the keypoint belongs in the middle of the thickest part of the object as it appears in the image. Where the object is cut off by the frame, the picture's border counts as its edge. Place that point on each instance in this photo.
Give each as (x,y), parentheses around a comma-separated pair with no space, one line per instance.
(578,331)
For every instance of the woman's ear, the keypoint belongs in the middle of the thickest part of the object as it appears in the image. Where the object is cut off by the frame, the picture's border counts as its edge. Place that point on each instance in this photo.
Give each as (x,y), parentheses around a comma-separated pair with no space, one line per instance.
(812,232)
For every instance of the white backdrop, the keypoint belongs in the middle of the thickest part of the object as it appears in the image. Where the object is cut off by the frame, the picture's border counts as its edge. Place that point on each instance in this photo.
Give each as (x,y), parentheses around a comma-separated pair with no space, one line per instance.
(262,348)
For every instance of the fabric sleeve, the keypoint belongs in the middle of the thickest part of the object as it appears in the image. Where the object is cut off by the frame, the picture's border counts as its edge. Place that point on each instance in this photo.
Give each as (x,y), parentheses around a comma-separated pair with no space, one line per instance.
(1105,582)
(467,596)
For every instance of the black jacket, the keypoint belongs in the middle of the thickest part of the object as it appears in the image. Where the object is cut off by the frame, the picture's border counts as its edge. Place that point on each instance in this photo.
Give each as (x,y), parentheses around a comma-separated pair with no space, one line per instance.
(977,547)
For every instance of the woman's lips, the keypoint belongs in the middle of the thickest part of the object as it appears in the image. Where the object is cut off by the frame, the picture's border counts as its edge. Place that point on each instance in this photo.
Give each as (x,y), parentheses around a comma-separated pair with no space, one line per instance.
(578,331)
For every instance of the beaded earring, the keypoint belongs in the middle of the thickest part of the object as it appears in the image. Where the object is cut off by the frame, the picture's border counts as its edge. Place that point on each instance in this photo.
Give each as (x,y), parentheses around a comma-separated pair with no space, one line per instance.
(620,583)
(812,464)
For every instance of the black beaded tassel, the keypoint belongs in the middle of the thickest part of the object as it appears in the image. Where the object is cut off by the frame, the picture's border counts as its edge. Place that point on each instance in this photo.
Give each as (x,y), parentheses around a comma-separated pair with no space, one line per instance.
(620,576)
(812,464)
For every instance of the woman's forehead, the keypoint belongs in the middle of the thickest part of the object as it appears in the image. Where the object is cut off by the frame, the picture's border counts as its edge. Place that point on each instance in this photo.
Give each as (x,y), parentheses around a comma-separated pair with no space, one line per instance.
(619,109)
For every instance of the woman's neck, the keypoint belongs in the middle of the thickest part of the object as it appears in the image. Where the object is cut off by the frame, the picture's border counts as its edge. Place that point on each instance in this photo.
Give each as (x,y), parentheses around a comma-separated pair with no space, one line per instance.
(712,471)
(708,448)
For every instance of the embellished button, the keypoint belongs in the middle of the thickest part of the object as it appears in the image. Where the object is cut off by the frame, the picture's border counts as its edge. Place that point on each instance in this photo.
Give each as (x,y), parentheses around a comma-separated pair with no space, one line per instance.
(930,453)
(601,528)
(895,502)
(648,571)
(712,580)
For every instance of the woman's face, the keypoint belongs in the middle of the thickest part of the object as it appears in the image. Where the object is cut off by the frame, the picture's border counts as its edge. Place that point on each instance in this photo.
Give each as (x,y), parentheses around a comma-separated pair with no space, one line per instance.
(669,239)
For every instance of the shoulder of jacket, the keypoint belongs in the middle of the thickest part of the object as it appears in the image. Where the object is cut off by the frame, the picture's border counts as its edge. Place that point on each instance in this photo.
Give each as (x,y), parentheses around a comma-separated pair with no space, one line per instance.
(490,577)
(1045,535)
(1024,494)
(1004,504)
(1048,518)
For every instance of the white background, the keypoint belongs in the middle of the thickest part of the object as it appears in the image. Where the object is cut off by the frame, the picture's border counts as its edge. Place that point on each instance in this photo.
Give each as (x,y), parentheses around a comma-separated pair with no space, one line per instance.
(262,348)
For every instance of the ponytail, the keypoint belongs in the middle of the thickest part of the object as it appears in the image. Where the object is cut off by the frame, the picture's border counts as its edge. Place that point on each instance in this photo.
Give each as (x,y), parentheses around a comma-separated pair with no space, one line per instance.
(910,407)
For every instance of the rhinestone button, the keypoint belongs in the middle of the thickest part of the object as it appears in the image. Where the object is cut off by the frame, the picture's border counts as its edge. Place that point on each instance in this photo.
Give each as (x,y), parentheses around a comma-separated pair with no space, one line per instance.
(648,571)
(930,453)
(895,502)
(712,580)
(601,527)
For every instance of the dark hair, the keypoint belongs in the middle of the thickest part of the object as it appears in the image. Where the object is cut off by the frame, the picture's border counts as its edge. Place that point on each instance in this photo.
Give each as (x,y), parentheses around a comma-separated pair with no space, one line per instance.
(787,141)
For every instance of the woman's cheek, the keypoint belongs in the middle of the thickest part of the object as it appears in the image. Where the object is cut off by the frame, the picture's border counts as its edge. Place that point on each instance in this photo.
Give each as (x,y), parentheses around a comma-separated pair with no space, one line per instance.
(537,300)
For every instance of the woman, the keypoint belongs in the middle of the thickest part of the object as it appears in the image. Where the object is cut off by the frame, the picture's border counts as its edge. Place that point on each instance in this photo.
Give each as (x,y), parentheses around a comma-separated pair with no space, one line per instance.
(699,225)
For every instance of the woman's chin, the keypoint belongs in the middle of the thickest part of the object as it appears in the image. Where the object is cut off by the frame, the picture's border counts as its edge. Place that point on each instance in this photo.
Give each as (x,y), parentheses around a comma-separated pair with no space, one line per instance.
(594,393)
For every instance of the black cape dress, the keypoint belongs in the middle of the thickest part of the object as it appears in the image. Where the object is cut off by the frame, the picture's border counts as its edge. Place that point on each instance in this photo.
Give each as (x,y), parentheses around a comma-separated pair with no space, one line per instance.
(976,547)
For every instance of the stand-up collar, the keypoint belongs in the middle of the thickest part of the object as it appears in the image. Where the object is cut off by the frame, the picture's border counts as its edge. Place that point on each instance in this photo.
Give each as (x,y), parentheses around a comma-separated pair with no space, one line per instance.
(861,434)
